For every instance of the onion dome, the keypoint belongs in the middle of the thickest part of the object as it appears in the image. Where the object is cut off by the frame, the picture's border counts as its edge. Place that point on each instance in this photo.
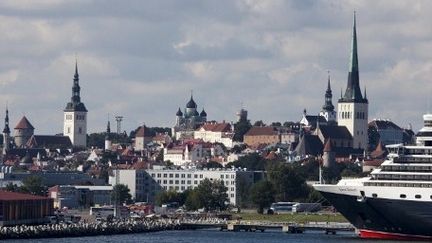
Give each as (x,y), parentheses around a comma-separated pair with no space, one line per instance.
(191,103)
(196,113)
(179,112)
(203,113)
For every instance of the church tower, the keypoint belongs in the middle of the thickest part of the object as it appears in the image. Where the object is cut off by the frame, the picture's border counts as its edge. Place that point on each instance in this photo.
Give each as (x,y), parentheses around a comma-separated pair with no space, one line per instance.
(6,133)
(352,106)
(328,111)
(75,116)
(108,142)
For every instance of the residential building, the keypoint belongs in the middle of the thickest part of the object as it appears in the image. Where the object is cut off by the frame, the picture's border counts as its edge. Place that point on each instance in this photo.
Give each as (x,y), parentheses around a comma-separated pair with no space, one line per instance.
(261,135)
(145,184)
(216,133)
(73,196)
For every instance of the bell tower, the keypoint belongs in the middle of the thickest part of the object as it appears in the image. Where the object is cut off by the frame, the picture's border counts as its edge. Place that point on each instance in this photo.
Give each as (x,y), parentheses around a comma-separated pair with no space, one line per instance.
(75,116)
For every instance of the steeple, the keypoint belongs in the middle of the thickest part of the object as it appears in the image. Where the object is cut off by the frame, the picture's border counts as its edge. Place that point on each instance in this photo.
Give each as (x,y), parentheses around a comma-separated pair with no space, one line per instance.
(108,142)
(328,105)
(6,129)
(353,92)
(76,104)
(108,131)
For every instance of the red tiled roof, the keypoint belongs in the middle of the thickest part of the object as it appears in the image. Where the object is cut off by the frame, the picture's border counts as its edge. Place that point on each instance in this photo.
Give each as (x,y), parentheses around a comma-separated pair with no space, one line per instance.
(257,131)
(10,196)
(143,131)
(24,124)
(216,127)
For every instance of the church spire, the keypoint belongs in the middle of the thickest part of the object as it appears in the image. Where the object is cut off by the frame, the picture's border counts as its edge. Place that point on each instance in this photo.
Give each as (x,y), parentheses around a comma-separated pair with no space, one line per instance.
(108,131)
(76,88)
(353,92)
(76,104)
(6,129)
(328,105)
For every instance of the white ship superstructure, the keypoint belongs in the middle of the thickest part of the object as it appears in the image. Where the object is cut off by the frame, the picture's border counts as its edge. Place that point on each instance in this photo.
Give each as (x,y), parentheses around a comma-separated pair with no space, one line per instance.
(395,201)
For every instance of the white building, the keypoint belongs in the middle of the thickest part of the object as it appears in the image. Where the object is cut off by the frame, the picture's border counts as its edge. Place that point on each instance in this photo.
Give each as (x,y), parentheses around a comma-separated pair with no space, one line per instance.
(216,133)
(145,184)
(192,152)
(75,116)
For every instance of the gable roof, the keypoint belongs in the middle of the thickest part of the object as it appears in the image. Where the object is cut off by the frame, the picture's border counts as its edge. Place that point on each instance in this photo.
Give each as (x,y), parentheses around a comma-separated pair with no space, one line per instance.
(216,127)
(309,145)
(24,124)
(10,196)
(261,131)
(334,132)
(384,125)
(49,141)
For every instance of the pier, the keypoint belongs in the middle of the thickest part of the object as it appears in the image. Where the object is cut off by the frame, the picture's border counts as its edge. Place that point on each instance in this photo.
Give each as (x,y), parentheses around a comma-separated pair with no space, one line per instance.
(294,228)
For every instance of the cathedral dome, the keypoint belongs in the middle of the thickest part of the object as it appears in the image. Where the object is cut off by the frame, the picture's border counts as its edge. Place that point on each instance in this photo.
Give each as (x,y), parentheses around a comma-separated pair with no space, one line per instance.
(203,113)
(191,103)
(179,112)
(195,113)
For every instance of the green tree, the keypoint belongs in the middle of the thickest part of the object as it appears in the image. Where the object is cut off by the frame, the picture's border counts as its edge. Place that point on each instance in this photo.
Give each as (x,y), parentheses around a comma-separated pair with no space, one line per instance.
(169,197)
(212,195)
(288,182)
(276,124)
(12,187)
(121,194)
(262,195)
(212,164)
(193,201)
(33,185)
(251,162)
(240,129)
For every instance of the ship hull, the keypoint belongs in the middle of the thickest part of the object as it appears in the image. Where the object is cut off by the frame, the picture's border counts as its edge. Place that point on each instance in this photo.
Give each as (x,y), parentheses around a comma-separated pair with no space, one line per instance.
(380,218)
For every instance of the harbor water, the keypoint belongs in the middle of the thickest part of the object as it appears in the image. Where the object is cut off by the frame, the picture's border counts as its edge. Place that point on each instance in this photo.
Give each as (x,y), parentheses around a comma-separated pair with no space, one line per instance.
(208,236)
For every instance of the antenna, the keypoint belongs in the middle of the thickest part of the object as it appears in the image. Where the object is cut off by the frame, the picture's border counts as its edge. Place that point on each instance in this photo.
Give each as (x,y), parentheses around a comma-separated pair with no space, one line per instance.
(119,120)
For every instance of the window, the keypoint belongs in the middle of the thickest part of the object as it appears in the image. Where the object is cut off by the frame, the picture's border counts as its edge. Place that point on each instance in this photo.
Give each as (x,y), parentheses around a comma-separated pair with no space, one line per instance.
(402,196)
(79,130)
(68,130)
(417,196)
(374,195)
(164,175)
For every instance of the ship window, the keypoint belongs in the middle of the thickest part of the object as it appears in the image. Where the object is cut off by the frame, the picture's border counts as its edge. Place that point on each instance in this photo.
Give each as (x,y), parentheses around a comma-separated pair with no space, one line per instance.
(418,196)
(402,196)
(374,195)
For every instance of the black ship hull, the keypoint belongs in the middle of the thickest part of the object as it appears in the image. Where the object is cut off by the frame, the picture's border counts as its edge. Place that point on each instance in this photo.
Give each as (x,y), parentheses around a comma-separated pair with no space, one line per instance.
(385,218)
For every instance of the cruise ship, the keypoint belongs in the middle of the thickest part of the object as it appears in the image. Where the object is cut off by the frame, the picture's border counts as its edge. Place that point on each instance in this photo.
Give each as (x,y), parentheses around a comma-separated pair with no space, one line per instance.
(395,200)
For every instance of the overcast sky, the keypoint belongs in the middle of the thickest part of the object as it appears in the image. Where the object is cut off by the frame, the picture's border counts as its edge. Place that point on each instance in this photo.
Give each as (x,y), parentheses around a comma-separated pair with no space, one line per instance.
(140,59)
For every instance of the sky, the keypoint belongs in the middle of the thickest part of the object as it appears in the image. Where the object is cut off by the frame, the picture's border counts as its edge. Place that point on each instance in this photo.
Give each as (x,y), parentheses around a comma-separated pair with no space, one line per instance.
(141,59)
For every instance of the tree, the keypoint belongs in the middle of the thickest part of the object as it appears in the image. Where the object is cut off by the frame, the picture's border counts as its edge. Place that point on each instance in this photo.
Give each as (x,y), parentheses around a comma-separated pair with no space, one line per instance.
(120,194)
(212,195)
(276,124)
(288,182)
(262,195)
(240,129)
(33,185)
(12,187)
(193,201)
(251,162)
(170,196)
(259,123)
(212,164)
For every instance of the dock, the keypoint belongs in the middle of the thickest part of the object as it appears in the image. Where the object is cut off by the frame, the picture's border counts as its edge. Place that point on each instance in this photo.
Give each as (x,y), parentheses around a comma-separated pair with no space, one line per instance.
(293,228)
